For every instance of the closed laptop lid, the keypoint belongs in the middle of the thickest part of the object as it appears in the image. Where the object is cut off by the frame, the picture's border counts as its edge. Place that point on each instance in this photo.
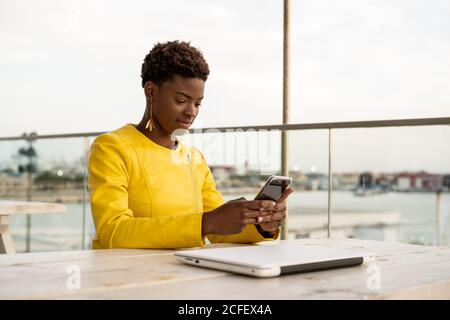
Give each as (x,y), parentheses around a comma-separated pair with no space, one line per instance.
(274,255)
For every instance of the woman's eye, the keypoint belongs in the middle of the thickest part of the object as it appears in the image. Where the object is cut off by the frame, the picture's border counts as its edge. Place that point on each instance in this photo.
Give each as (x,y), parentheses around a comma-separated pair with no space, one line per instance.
(197,105)
(180,101)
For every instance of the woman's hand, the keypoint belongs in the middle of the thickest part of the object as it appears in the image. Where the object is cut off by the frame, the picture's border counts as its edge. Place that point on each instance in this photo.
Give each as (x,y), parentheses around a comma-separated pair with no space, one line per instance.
(272,221)
(233,216)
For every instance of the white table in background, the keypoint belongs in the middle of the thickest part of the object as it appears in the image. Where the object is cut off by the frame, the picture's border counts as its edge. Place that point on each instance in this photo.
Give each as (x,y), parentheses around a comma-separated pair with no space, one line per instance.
(10,207)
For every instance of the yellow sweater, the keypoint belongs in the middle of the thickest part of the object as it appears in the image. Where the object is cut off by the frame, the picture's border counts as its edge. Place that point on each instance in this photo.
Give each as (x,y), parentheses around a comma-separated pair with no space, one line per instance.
(144,195)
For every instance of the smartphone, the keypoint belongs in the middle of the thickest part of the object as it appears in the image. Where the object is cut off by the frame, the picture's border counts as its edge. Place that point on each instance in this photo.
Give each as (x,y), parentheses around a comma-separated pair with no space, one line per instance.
(273,188)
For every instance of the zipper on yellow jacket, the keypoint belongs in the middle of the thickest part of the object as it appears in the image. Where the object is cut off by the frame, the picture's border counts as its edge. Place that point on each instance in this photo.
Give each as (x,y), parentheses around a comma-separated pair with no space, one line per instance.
(193,183)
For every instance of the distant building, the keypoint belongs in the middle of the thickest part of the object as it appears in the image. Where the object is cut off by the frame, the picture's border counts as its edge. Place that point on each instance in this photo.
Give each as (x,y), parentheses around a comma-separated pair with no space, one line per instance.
(348,181)
(421,181)
(222,173)
(446,182)
(404,182)
(299,180)
(366,180)
(319,181)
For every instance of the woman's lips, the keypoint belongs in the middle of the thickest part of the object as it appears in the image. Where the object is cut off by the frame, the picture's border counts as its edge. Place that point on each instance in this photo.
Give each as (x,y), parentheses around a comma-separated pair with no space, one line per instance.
(183,124)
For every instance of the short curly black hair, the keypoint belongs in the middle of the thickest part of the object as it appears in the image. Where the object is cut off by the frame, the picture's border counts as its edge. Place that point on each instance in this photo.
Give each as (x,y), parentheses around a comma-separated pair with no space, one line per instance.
(173,58)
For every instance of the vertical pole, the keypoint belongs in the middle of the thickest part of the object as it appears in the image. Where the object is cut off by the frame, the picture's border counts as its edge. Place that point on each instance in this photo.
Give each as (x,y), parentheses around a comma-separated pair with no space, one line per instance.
(284,137)
(85,156)
(29,185)
(438,220)
(330,183)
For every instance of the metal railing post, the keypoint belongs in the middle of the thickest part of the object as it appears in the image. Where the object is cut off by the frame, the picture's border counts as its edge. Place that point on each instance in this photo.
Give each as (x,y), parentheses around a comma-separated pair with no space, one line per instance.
(330,183)
(438,217)
(29,169)
(286,100)
(85,197)
(29,186)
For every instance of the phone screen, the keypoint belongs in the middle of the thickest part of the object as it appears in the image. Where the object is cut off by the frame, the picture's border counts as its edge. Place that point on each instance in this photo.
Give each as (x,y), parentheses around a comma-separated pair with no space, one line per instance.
(273,190)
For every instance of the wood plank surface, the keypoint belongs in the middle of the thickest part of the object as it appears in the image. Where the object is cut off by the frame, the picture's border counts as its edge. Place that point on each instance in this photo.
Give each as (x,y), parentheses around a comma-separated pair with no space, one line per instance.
(405,271)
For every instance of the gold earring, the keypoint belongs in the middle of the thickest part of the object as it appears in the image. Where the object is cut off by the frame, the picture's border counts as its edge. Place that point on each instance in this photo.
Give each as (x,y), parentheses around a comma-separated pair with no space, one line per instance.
(150,126)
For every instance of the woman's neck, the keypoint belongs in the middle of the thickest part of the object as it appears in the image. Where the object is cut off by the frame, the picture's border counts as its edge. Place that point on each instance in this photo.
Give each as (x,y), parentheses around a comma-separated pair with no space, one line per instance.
(157,135)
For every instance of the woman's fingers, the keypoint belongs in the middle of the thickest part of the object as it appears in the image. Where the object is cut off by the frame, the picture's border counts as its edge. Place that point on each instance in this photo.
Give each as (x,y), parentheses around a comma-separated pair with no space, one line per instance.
(280,207)
(285,194)
(271,227)
(278,216)
(269,218)
(255,213)
(260,204)
(253,220)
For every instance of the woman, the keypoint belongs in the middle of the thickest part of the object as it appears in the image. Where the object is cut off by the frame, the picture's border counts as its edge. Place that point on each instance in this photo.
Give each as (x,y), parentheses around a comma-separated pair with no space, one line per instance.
(146,189)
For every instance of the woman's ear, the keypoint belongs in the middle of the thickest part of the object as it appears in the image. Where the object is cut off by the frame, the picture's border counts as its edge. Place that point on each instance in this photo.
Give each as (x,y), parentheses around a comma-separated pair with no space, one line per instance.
(149,89)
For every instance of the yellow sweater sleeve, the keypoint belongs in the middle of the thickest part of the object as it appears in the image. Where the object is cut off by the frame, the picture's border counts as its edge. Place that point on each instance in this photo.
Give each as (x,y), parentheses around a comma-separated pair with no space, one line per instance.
(116,226)
(213,199)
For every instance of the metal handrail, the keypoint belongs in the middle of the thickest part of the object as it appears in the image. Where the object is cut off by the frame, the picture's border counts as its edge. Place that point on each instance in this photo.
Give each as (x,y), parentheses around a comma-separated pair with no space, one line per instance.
(281,127)
(288,127)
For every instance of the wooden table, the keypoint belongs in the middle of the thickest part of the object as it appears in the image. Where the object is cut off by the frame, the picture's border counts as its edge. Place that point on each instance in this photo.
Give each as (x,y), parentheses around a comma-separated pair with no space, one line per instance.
(9,207)
(403,271)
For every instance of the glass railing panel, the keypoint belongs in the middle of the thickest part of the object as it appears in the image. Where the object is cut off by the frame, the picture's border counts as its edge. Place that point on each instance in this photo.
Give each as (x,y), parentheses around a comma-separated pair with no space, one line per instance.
(392,184)
(308,167)
(58,175)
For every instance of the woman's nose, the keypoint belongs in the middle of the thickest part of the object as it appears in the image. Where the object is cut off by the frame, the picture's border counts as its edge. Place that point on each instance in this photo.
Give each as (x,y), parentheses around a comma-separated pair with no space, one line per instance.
(191,110)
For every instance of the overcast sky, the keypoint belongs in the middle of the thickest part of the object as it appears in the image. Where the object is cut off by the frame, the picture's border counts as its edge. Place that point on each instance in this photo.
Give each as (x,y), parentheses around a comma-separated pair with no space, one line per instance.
(74,66)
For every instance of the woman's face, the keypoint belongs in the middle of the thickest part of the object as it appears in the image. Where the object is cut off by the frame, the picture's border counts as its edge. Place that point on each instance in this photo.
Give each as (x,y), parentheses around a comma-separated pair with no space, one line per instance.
(176,102)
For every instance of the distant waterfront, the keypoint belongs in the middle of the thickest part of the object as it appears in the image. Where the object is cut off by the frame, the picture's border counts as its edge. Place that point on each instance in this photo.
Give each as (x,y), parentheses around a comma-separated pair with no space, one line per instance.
(417,216)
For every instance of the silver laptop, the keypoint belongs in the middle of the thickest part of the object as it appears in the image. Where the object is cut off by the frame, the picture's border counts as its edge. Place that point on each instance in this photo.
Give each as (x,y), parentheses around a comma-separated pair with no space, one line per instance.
(274,259)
